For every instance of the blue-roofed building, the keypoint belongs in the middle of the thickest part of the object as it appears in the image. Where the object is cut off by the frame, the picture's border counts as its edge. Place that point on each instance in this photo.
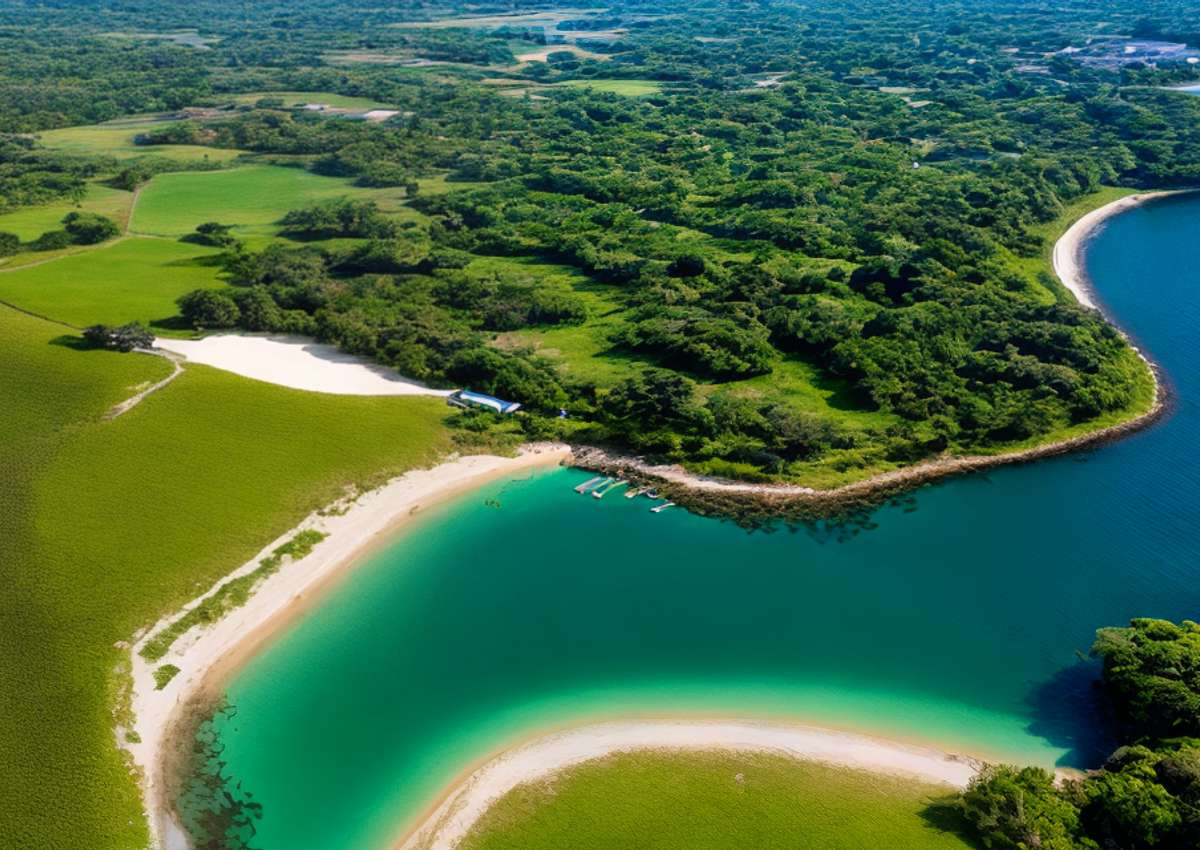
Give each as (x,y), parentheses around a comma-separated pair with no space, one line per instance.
(466,398)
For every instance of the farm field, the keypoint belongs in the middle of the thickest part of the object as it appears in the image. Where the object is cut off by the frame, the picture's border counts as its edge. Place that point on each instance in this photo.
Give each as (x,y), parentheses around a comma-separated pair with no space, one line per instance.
(629,88)
(159,493)
(714,801)
(528,52)
(299,98)
(115,139)
(519,19)
(131,279)
(252,199)
(31,222)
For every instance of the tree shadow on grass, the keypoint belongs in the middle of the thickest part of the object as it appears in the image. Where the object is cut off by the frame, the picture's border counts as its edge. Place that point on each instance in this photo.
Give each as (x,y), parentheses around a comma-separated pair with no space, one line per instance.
(942,814)
(1067,711)
(172,323)
(843,395)
(73,342)
(201,261)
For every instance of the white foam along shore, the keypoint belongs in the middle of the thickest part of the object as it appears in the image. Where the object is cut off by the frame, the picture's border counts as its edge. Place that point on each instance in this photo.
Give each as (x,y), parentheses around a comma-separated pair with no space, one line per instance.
(295,361)
(1069,249)
(352,530)
(540,759)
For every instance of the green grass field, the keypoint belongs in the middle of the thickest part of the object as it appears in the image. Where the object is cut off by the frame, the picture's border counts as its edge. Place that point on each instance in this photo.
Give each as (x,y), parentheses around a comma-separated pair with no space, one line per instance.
(115,138)
(105,525)
(629,88)
(299,98)
(714,801)
(31,222)
(253,198)
(137,278)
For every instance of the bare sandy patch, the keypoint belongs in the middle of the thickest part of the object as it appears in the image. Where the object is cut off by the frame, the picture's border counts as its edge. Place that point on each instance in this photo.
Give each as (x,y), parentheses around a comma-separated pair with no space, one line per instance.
(297,362)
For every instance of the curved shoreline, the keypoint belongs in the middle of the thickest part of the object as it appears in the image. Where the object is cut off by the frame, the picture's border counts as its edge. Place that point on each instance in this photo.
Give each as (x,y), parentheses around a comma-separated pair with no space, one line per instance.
(1067,256)
(549,754)
(209,656)
(703,491)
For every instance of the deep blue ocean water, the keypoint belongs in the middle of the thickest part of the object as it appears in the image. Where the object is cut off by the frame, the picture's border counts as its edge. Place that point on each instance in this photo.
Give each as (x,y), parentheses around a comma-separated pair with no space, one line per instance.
(959,618)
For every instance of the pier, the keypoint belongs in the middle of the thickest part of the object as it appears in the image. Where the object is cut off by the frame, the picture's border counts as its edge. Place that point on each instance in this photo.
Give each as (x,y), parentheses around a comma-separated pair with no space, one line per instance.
(599,492)
(590,483)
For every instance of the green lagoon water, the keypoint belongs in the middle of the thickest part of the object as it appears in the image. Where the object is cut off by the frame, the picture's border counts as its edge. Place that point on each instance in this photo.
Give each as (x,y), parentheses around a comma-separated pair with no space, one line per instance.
(958,617)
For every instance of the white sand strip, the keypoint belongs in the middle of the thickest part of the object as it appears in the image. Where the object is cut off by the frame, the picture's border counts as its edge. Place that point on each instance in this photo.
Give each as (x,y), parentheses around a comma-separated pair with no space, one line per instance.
(366,522)
(297,362)
(1069,249)
(541,758)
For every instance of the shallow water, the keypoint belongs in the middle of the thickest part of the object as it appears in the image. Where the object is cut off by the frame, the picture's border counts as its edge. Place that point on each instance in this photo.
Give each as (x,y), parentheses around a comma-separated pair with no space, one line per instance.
(958,617)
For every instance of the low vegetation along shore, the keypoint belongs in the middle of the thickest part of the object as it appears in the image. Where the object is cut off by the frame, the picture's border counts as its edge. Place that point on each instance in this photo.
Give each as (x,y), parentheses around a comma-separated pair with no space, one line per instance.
(198,658)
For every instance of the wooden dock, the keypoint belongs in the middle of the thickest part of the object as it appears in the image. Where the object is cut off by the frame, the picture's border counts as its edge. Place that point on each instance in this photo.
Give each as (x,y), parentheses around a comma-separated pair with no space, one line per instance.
(590,483)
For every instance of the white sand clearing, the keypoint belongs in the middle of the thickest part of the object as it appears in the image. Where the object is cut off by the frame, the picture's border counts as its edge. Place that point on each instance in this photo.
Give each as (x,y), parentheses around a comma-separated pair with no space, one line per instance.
(297,362)
(541,758)
(205,655)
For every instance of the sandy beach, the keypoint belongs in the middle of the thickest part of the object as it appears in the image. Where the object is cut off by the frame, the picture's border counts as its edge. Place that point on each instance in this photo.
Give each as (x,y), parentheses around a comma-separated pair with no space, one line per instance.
(205,656)
(541,758)
(1068,250)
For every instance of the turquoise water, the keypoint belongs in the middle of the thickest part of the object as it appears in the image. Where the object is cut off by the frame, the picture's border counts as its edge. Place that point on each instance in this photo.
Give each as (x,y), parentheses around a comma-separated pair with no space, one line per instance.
(957,617)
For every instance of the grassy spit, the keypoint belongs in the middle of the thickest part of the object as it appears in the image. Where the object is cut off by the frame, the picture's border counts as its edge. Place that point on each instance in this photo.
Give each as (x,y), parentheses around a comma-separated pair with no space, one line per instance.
(714,801)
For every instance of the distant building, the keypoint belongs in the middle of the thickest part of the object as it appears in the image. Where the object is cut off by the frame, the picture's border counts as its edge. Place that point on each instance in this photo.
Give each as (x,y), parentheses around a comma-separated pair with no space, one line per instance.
(468,399)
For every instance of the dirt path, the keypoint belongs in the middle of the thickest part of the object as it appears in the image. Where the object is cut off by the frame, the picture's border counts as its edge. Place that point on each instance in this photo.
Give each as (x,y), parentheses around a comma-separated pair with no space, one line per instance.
(133,401)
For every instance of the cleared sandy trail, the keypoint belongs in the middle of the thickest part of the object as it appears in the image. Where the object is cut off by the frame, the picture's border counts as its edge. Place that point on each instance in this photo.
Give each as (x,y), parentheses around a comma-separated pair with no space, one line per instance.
(297,362)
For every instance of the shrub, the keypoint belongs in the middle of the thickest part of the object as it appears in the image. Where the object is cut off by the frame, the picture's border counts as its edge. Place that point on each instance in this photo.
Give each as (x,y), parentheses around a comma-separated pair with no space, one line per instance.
(121,338)
(208,308)
(163,675)
(87,228)
(52,240)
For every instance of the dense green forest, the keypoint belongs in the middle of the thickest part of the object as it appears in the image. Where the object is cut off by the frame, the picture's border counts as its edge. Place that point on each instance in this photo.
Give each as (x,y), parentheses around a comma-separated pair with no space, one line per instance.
(848,201)
(1148,793)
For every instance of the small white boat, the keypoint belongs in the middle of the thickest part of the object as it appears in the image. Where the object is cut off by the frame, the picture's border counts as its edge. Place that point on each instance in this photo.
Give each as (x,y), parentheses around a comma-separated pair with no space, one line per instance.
(652,494)
(633,492)
(658,509)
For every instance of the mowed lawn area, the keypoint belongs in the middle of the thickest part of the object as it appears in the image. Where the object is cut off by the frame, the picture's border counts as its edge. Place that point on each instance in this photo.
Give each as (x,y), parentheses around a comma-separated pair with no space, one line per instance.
(130,279)
(106,525)
(629,88)
(252,198)
(31,222)
(116,139)
(300,98)
(716,801)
